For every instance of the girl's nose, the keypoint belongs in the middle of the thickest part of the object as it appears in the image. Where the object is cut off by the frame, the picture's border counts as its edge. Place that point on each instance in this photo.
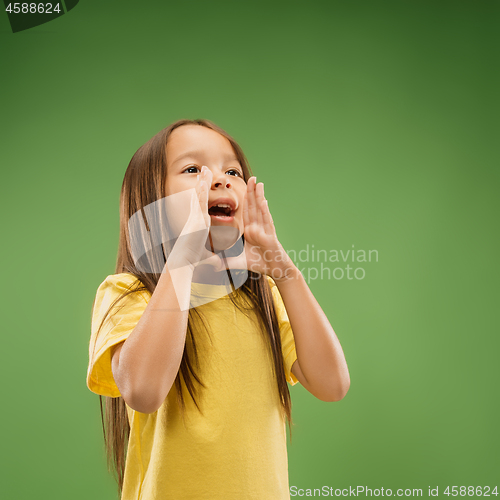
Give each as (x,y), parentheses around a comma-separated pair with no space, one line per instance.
(217,184)
(221,179)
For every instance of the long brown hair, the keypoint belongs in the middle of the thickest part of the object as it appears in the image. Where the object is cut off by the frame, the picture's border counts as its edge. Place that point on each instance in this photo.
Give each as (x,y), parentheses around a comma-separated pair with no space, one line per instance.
(143,184)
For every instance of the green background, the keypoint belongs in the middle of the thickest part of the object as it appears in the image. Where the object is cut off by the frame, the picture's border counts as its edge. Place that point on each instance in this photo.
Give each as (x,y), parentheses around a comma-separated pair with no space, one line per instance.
(371,123)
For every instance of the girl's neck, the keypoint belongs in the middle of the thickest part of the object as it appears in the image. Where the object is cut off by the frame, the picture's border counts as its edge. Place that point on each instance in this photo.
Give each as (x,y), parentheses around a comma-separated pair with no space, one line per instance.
(205,274)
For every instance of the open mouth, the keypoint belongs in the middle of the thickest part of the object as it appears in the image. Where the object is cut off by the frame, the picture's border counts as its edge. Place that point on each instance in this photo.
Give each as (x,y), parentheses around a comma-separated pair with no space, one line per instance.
(221,210)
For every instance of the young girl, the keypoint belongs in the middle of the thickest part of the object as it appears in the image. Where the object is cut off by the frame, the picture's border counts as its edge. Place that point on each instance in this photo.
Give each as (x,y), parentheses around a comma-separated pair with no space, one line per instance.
(196,336)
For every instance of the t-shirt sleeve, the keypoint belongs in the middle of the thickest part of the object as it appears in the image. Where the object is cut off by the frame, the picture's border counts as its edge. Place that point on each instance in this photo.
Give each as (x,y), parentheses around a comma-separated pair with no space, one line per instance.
(115,329)
(287,339)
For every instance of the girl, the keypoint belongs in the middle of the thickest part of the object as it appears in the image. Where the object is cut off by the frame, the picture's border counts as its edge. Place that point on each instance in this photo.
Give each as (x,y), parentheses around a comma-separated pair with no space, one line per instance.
(196,336)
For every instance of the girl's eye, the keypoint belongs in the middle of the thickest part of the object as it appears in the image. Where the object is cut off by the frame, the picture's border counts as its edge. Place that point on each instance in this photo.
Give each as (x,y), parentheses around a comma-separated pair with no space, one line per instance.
(236,172)
(190,171)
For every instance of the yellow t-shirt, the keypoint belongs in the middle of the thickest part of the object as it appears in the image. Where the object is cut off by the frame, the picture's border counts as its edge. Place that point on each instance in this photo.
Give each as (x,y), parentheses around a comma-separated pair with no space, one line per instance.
(237,448)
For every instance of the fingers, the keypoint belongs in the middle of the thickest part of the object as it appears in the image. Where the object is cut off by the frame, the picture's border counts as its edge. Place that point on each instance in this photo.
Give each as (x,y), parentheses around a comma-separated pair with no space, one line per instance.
(246,216)
(266,215)
(267,218)
(204,180)
(256,205)
(252,208)
(259,199)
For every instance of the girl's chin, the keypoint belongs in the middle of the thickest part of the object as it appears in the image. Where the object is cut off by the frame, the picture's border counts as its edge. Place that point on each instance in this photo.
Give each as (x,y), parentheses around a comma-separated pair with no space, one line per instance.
(222,238)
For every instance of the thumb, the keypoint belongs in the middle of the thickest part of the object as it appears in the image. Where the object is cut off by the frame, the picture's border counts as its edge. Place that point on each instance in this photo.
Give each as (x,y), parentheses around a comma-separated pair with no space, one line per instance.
(196,221)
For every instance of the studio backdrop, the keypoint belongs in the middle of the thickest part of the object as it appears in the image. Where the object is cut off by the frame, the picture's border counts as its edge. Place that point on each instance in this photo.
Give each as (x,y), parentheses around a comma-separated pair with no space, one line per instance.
(374,127)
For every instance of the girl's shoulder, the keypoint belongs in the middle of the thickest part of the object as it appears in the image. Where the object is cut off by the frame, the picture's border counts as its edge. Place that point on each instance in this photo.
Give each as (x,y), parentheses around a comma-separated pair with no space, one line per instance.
(278,300)
(121,283)
(121,279)
(271,282)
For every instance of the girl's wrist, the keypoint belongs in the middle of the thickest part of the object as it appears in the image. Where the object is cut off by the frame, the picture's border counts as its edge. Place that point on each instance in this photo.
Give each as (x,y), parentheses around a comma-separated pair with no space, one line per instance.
(285,273)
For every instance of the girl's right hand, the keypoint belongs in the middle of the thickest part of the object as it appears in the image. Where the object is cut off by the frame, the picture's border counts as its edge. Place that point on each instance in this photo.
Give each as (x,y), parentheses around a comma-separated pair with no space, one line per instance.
(190,247)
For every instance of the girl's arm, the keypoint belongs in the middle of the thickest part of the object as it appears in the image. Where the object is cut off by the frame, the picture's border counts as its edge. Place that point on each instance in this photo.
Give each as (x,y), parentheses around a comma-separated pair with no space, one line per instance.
(320,366)
(145,365)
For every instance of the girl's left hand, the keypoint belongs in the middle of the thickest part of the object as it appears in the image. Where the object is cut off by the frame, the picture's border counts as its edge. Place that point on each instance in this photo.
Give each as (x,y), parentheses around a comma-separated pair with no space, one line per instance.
(263,252)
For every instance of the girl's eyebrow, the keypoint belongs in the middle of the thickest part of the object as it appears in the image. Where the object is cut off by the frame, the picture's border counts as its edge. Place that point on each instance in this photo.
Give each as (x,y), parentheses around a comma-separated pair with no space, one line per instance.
(200,154)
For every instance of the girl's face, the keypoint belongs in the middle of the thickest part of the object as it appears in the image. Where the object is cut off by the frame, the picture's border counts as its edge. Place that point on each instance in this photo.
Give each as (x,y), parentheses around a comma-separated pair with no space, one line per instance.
(189,147)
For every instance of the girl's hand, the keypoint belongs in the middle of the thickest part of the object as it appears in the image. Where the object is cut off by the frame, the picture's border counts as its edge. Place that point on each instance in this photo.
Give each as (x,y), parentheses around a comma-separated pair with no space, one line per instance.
(190,247)
(263,252)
